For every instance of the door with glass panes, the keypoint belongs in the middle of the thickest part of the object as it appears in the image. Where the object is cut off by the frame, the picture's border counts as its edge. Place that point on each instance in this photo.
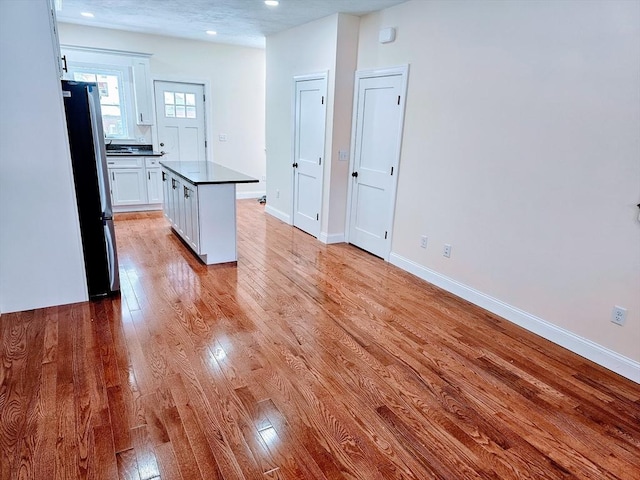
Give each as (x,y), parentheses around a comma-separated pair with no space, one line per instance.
(180,120)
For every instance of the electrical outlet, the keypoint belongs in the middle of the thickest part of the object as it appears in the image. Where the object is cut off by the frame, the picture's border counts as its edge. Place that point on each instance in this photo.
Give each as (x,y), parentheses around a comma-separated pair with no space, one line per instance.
(423,241)
(446,251)
(619,315)
(222,137)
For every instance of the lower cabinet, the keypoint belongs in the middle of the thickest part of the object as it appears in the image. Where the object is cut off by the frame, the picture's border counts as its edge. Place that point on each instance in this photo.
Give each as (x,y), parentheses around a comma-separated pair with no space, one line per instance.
(128,186)
(203,215)
(154,185)
(135,182)
(191,227)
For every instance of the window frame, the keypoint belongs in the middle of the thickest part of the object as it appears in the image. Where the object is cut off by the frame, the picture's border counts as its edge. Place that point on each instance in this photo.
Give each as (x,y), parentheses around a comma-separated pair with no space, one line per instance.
(125,86)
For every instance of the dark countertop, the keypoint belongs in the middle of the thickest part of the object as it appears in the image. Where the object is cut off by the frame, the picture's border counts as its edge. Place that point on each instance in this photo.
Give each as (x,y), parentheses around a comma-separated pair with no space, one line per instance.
(131,150)
(139,153)
(202,173)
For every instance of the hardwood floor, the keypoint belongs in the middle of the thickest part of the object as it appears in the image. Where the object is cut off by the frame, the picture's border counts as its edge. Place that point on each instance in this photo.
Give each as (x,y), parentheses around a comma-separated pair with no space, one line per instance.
(304,361)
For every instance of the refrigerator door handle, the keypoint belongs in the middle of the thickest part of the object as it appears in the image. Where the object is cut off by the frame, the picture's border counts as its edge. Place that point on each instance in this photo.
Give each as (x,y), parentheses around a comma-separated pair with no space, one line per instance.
(112,255)
(99,148)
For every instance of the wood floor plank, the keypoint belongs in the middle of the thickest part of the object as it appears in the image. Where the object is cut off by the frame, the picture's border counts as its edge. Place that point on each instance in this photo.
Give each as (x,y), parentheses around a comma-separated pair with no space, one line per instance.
(300,361)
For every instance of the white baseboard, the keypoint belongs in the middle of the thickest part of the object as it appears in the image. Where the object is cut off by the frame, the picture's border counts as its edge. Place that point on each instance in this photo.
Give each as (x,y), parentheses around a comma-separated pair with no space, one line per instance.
(586,348)
(280,215)
(331,238)
(244,195)
(137,208)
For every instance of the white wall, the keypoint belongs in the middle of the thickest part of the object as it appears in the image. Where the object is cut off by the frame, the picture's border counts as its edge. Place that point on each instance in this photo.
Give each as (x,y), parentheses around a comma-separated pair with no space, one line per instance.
(41,261)
(521,150)
(235,74)
(328,44)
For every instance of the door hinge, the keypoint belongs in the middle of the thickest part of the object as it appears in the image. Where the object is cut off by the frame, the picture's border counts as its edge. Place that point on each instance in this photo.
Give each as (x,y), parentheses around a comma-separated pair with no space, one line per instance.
(323,100)
(317,216)
(391,170)
(320,161)
(205,144)
(385,235)
(204,98)
(398,99)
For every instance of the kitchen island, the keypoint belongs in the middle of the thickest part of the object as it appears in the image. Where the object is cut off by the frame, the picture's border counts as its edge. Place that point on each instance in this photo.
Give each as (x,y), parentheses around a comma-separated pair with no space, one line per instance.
(200,204)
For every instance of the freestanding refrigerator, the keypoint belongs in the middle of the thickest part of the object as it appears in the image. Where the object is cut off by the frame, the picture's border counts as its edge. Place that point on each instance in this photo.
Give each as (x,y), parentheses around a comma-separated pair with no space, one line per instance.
(89,160)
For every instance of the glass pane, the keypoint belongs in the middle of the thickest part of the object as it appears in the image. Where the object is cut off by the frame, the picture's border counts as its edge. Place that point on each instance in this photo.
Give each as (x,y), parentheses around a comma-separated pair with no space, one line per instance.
(179,98)
(168,98)
(112,110)
(169,111)
(84,77)
(190,98)
(108,88)
(191,112)
(180,113)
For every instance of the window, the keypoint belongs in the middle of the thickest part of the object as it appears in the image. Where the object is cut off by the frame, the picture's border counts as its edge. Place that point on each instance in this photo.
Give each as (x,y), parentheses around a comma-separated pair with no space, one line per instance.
(179,105)
(115,121)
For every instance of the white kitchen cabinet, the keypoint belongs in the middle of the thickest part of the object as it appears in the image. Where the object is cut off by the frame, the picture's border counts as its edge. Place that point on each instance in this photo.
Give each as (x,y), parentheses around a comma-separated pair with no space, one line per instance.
(154,185)
(143,91)
(181,208)
(189,201)
(202,210)
(154,181)
(128,186)
(55,39)
(166,190)
(136,183)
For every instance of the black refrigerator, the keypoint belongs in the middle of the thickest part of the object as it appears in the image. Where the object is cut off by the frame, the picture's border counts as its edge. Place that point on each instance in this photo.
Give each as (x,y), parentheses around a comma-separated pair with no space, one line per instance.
(90,175)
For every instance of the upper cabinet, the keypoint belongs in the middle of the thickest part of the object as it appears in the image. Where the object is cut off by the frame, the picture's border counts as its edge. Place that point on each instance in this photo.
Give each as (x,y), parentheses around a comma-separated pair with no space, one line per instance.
(124,79)
(56,39)
(143,91)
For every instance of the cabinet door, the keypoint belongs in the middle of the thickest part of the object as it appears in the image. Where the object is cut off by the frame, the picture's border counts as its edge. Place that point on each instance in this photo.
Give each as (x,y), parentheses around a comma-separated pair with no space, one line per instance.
(128,186)
(177,202)
(154,185)
(166,189)
(191,230)
(56,39)
(142,89)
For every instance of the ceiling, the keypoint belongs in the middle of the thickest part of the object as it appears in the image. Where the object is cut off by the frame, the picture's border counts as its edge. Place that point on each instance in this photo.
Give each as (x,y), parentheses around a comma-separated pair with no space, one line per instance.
(237,22)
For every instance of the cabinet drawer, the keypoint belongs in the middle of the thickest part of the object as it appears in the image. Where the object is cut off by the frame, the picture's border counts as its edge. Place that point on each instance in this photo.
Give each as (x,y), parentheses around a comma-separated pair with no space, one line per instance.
(152,162)
(127,162)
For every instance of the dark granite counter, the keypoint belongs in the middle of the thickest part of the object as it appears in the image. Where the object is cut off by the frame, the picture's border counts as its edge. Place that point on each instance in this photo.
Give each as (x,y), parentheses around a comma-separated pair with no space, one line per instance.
(131,150)
(202,173)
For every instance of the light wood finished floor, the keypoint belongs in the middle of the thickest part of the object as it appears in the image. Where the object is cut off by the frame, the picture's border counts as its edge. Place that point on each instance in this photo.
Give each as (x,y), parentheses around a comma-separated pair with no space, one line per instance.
(304,361)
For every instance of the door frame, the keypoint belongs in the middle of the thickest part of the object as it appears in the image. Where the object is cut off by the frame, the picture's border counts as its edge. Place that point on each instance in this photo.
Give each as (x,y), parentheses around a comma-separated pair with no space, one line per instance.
(403,71)
(322,75)
(208,109)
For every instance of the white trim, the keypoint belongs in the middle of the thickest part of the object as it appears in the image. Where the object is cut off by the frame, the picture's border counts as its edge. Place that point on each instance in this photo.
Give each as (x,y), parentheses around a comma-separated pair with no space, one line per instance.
(331,238)
(586,348)
(254,194)
(403,71)
(106,51)
(151,207)
(279,214)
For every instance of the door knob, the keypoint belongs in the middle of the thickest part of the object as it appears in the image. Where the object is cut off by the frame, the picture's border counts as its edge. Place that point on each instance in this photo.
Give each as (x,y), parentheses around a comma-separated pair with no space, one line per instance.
(162,144)
(295,165)
(354,174)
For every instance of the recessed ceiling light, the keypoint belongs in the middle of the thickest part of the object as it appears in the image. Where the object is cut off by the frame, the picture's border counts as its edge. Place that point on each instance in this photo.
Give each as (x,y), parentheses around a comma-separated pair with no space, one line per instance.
(211,32)
(87,14)
(271,3)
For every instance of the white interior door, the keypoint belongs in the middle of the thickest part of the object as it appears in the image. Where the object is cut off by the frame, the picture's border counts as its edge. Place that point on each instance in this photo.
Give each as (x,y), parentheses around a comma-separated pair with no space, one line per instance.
(309,137)
(180,120)
(379,113)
